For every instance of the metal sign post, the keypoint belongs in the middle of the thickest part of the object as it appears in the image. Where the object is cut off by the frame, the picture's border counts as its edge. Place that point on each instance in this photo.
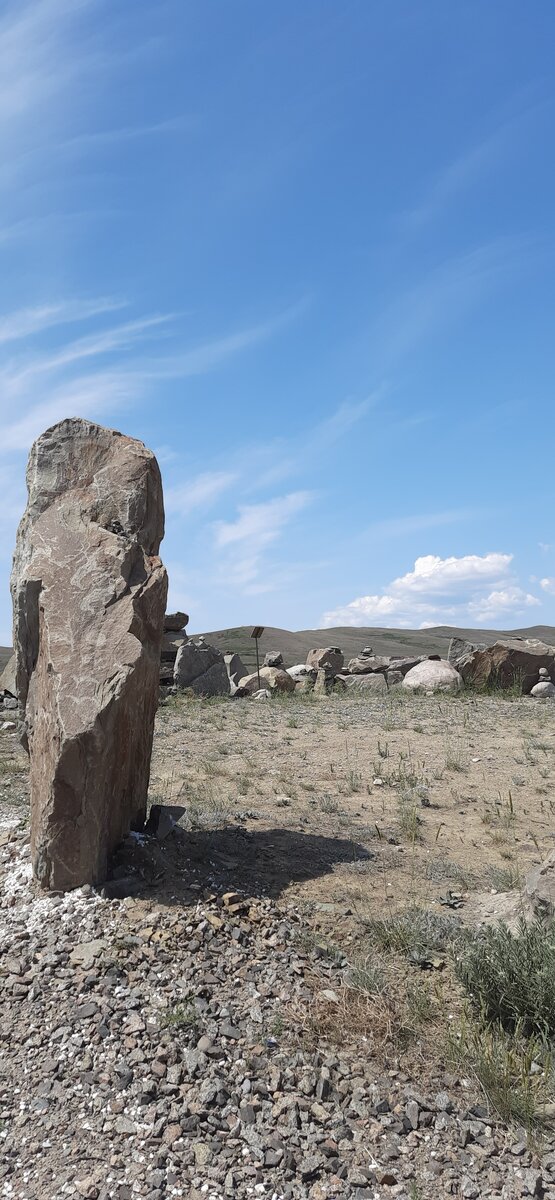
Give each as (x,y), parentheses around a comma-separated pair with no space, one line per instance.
(256,634)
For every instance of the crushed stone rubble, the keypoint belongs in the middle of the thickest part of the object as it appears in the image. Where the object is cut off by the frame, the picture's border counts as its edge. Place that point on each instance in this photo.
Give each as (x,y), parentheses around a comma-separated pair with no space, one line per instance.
(149,1050)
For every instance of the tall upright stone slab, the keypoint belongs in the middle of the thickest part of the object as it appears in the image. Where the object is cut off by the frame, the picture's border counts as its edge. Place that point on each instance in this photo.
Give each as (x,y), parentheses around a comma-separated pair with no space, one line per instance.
(89,596)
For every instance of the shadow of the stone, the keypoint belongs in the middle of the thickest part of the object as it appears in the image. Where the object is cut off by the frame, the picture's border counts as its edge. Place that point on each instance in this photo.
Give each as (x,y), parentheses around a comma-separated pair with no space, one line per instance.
(253,862)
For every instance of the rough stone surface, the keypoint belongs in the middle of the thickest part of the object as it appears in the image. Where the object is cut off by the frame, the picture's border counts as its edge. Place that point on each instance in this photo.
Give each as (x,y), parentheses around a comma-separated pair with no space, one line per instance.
(540,887)
(364,664)
(544,689)
(404,665)
(89,593)
(235,668)
(270,677)
(375,682)
(515,661)
(8,677)
(301,671)
(171,643)
(194,659)
(214,681)
(433,676)
(329,657)
(460,650)
(273,659)
(174,622)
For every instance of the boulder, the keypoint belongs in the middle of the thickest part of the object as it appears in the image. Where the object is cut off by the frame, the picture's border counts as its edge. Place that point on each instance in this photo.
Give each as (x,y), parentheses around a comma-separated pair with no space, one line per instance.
(214,681)
(174,622)
(539,888)
(171,643)
(373,682)
(330,657)
(305,684)
(514,661)
(365,663)
(432,676)
(544,690)
(236,669)
(273,659)
(89,595)
(301,671)
(271,678)
(460,651)
(404,665)
(7,678)
(194,659)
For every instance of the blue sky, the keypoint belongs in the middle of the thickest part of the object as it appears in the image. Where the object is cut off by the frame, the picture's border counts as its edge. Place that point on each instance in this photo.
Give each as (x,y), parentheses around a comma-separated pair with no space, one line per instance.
(304,250)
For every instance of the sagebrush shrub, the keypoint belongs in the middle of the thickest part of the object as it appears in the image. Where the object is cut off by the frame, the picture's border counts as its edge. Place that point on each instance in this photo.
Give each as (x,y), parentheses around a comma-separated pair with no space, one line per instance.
(510,977)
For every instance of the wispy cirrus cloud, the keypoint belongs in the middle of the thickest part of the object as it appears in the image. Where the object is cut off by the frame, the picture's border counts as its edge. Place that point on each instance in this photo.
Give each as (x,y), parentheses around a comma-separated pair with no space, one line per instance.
(470,167)
(243,541)
(105,389)
(444,294)
(417,522)
(262,523)
(199,492)
(455,591)
(26,322)
(119,337)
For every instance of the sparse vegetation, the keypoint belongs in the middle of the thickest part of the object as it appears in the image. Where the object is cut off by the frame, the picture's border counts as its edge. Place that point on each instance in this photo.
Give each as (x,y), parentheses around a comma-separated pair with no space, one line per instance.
(510,977)
(514,1071)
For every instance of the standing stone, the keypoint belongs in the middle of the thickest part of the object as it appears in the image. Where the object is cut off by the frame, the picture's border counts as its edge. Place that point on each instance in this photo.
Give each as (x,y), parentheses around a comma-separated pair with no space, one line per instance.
(89,594)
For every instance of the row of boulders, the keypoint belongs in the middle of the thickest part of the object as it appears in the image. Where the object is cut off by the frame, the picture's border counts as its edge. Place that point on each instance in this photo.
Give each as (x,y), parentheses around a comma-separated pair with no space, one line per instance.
(205,671)
(526,663)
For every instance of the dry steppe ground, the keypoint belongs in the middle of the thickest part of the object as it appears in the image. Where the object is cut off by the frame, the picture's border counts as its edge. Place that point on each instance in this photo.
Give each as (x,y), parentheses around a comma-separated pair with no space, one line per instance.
(369,804)
(272,928)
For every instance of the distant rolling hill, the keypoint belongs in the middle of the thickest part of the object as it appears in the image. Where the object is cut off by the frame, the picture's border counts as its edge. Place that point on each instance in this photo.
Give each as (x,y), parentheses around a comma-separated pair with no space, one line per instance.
(396,642)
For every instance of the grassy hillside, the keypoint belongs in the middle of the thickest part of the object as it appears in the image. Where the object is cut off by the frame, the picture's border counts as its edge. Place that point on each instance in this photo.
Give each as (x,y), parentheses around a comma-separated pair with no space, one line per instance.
(400,642)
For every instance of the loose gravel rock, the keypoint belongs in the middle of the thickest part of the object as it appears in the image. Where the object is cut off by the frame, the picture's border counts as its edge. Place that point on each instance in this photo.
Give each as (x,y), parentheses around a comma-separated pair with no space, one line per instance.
(153,1040)
(148,1051)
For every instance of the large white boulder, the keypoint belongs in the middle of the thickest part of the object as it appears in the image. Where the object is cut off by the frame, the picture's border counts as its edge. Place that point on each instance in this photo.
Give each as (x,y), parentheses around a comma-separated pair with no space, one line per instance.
(433,675)
(272,678)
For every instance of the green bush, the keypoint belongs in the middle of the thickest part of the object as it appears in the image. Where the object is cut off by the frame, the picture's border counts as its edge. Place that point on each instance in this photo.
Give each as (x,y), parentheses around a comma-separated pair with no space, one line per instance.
(510,977)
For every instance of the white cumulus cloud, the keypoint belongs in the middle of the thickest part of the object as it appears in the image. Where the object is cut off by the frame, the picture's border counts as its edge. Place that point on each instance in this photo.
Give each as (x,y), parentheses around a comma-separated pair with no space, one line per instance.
(463,590)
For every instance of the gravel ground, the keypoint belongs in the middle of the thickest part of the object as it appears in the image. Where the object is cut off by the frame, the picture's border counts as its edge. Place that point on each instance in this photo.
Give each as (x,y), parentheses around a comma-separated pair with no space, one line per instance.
(203,1036)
